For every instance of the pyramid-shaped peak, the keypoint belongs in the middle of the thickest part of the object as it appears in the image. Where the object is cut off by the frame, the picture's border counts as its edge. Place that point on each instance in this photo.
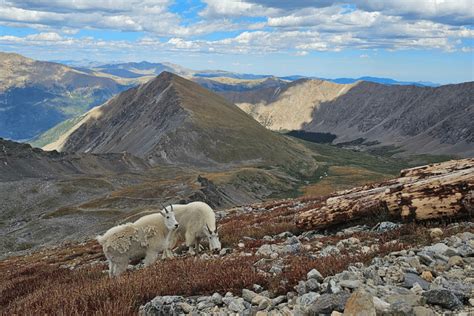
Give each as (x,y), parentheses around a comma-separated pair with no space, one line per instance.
(171,119)
(166,75)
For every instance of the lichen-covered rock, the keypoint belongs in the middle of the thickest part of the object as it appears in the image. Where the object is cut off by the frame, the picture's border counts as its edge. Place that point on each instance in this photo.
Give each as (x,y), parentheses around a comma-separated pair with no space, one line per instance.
(327,303)
(444,298)
(163,306)
(360,304)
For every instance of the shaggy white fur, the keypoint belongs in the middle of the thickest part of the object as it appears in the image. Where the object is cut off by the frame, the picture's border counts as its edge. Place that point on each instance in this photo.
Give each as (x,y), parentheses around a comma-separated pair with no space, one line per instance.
(196,220)
(147,236)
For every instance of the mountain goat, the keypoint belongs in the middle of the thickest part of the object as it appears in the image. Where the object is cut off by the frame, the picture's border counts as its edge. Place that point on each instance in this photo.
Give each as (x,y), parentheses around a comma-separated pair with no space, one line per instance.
(147,236)
(196,221)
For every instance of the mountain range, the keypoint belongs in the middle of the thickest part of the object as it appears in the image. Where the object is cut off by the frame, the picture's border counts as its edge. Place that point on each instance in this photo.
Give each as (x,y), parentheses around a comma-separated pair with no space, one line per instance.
(434,120)
(138,69)
(38,96)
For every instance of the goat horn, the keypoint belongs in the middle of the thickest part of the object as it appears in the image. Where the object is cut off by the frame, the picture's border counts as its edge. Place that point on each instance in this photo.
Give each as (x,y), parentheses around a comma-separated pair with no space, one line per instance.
(166,211)
(171,205)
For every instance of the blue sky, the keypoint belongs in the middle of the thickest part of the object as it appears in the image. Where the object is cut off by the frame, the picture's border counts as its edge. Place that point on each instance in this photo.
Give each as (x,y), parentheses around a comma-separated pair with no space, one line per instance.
(423,40)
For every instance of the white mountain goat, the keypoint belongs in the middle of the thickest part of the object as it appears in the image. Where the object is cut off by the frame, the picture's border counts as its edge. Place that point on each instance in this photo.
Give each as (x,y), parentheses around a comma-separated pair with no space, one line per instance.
(196,221)
(146,237)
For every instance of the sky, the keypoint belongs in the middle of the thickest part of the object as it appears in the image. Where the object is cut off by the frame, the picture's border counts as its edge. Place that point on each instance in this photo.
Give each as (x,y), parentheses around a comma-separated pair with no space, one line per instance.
(410,40)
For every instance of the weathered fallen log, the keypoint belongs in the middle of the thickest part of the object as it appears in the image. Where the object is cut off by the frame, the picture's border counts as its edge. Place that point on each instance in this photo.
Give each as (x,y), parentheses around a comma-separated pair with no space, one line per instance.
(438,191)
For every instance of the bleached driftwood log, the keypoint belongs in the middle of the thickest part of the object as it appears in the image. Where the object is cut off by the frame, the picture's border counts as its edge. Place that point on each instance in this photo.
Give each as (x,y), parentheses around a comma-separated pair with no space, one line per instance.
(438,191)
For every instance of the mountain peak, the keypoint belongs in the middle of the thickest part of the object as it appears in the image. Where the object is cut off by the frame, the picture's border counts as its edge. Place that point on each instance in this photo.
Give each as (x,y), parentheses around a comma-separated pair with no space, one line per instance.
(174,120)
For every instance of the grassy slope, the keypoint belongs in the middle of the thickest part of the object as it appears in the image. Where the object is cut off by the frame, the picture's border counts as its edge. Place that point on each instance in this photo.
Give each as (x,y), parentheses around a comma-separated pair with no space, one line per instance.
(54,133)
(343,168)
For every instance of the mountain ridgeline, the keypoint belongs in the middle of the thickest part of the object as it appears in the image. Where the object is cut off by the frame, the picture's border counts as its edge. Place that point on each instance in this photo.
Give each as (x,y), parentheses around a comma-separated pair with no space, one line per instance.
(174,120)
(419,120)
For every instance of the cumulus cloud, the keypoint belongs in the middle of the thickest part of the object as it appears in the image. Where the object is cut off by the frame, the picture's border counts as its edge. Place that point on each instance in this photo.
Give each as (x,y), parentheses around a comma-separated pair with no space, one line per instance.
(301,53)
(232,8)
(295,27)
(454,12)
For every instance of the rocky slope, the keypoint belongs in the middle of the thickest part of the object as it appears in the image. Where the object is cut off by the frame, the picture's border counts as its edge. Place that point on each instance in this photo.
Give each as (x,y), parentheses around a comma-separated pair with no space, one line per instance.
(417,119)
(36,95)
(268,266)
(174,120)
(19,161)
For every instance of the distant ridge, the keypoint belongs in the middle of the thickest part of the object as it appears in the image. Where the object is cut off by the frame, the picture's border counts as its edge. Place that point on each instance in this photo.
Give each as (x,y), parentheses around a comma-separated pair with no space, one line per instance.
(428,120)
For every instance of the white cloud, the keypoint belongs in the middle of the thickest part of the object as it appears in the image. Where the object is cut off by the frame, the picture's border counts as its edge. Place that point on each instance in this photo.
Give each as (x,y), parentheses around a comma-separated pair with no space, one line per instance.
(456,12)
(364,56)
(47,36)
(301,53)
(232,8)
(295,27)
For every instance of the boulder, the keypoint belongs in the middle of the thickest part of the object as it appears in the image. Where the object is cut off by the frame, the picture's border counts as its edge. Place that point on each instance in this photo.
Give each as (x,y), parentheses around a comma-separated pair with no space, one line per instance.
(360,304)
(411,278)
(443,298)
(163,306)
(327,303)
(314,274)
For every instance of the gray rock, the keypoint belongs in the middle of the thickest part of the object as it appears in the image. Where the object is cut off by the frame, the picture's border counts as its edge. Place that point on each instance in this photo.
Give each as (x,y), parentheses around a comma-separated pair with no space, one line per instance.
(313,285)
(422,311)
(329,250)
(163,306)
(300,288)
(327,303)
(333,287)
(465,251)
(278,300)
(411,278)
(407,298)
(276,269)
(269,250)
(216,298)
(438,248)
(450,252)
(291,248)
(265,250)
(236,305)
(380,305)
(355,229)
(385,226)
(401,308)
(466,236)
(292,240)
(425,258)
(205,304)
(248,295)
(308,298)
(314,274)
(348,243)
(443,298)
(350,284)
